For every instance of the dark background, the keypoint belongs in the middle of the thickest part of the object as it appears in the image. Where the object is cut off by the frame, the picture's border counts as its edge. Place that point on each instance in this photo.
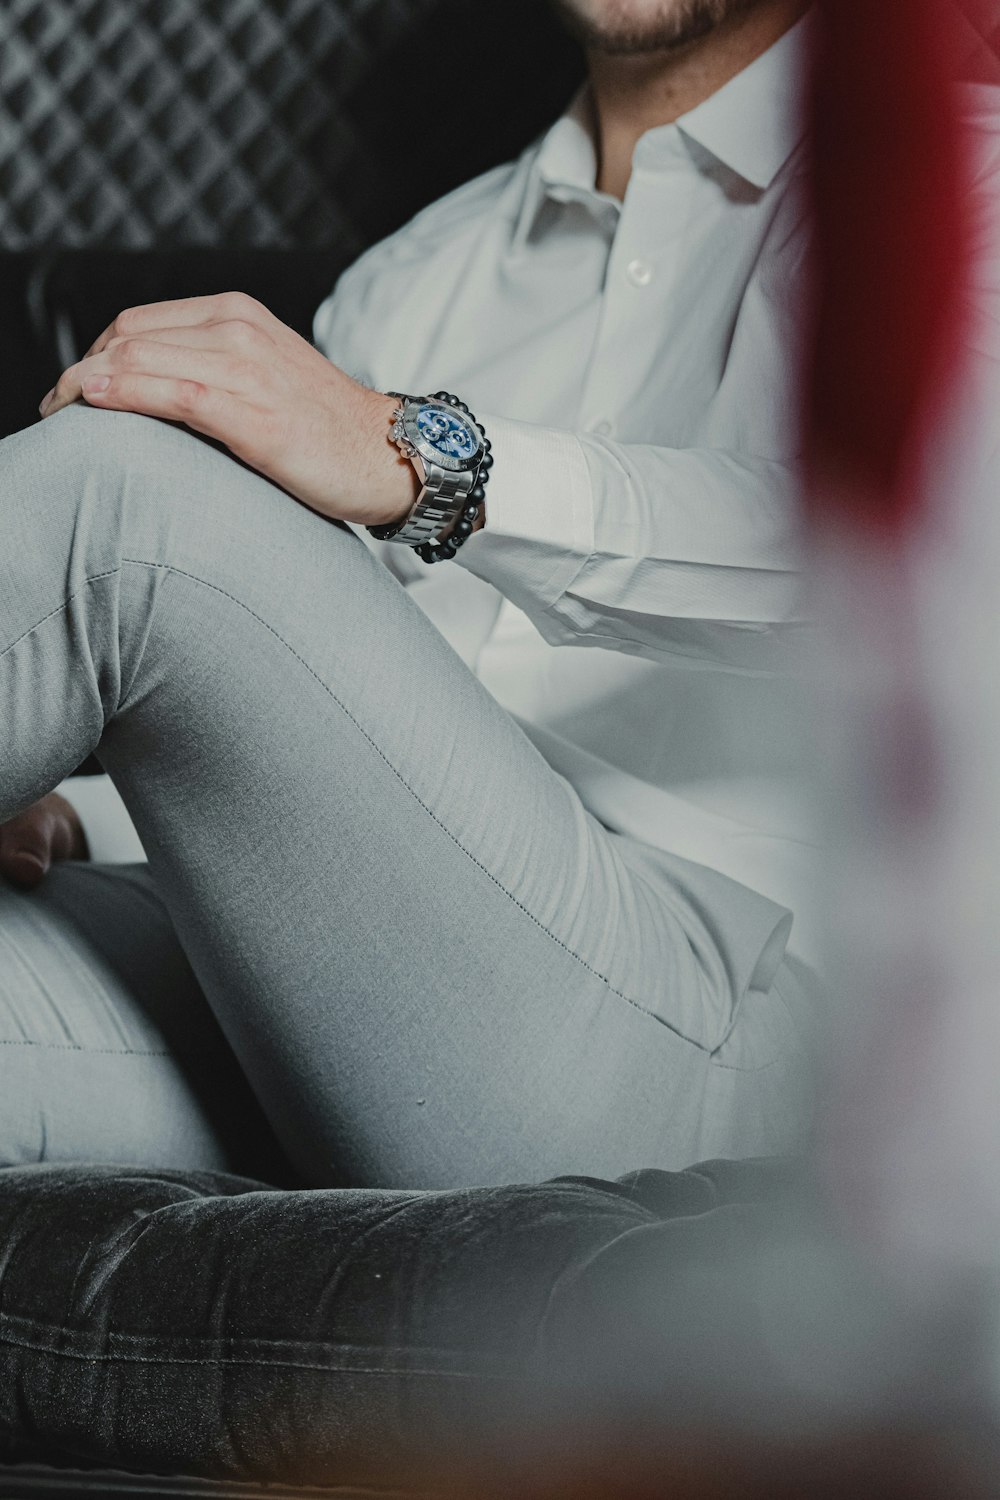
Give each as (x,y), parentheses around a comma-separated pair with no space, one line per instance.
(153,149)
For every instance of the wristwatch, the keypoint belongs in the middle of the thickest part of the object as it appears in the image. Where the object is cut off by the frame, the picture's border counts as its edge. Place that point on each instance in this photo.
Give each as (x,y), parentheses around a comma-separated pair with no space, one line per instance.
(452,457)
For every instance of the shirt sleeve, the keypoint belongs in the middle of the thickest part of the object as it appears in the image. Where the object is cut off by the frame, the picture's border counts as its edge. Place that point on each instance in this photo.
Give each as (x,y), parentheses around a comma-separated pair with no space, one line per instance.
(657,552)
(688,555)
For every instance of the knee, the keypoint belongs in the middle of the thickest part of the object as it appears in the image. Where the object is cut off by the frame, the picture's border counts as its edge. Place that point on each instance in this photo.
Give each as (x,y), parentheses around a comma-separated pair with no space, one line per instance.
(87,455)
(93,442)
(76,488)
(120,485)
(131,477)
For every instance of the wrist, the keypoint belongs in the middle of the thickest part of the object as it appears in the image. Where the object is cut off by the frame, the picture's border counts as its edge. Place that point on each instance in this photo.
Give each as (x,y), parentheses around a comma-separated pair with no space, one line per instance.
(393,481)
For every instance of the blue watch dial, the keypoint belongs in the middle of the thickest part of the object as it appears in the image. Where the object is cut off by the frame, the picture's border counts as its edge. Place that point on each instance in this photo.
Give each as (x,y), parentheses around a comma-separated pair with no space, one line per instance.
(447,432)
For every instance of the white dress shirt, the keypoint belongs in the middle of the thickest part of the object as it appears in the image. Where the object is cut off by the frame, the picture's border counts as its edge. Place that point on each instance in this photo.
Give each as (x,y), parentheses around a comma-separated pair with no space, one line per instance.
(635,597)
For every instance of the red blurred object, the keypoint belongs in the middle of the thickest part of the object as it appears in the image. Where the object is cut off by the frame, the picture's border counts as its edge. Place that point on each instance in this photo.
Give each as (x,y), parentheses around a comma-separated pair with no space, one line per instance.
(979,40)
(892,1464)
(891,245)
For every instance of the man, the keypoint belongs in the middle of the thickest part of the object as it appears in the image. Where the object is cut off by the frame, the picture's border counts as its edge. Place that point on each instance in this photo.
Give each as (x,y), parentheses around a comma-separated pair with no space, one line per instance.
(438,955)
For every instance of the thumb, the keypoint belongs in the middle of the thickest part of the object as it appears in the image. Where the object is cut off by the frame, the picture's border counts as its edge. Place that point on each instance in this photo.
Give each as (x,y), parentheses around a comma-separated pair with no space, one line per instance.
(26,847)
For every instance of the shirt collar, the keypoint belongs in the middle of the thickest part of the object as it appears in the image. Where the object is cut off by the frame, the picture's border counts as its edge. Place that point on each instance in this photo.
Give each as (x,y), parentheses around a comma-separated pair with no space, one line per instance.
(752,125)
(755,121)
(564,166)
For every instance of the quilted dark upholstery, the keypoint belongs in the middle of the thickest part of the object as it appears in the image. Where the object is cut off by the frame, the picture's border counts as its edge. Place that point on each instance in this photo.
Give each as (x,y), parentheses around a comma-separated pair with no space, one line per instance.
(169,148)
(256,122)
(124,120)
(188,1323)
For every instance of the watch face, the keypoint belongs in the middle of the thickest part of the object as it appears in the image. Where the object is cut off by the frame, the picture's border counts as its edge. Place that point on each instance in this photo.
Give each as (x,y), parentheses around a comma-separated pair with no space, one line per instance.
(448,433)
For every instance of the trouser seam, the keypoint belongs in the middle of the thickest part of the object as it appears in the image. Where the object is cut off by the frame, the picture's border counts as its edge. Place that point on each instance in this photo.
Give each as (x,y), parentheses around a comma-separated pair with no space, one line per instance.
(94,578)
(214,587)
(80,1047)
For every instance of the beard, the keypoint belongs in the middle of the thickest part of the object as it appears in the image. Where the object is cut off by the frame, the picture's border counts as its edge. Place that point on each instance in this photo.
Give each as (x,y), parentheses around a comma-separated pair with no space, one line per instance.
(628,28)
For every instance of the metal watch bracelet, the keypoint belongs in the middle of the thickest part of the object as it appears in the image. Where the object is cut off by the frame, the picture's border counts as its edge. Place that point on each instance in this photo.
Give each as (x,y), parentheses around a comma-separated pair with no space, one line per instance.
(446,496)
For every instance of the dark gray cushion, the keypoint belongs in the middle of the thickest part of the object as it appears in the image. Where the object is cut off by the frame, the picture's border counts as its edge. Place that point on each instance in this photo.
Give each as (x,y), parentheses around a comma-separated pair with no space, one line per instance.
(170,1322)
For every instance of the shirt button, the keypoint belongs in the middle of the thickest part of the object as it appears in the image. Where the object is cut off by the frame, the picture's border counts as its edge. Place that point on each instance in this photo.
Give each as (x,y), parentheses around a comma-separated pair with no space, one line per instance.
(604,428)
(639,272)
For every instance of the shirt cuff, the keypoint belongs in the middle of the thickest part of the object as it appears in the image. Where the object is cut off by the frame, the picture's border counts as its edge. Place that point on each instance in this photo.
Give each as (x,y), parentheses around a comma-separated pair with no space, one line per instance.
(109,831)
(539,528)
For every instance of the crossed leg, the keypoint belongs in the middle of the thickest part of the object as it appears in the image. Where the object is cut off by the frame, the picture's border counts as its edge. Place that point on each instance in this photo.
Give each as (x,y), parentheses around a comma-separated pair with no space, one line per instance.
(433,965)
(108,1050)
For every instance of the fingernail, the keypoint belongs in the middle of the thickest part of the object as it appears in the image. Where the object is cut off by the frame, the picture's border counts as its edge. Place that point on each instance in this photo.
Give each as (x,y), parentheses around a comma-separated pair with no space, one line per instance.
(45,401)
(95,384)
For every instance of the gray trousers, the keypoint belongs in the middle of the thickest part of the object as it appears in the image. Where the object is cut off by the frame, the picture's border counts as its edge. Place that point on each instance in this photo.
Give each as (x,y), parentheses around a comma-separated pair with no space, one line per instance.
(372,908)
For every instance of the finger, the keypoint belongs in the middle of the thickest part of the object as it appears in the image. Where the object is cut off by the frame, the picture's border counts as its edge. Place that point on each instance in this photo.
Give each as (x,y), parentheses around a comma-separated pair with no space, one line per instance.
(26,847)
(216,413)
(237,373)
(188,312)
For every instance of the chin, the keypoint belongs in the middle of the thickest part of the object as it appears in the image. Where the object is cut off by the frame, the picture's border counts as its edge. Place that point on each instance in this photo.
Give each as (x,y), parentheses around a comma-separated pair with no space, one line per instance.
(626,27)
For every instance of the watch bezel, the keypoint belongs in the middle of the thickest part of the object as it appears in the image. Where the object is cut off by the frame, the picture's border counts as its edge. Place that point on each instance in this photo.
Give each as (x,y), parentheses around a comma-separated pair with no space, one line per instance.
(427,451)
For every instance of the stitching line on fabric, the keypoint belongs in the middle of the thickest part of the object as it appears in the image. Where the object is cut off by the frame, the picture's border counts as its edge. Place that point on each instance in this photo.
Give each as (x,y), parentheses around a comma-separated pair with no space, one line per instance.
(96,578)
(280,1364)
(95,1051)
(643,1010)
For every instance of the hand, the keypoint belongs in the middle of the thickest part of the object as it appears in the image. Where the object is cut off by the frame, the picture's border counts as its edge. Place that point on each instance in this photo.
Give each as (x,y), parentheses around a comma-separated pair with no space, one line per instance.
(227,367)
(49,830)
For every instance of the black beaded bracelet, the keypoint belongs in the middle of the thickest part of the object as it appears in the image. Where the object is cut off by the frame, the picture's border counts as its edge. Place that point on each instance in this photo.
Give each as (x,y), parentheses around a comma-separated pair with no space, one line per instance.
(442,551)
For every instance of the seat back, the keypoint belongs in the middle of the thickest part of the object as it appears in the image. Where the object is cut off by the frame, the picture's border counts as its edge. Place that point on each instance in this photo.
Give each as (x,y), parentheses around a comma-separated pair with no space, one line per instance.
(155,148)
